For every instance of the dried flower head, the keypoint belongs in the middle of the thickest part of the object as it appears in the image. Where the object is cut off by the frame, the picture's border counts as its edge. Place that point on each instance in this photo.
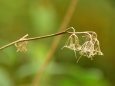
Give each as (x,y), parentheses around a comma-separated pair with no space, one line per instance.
(89,48)
(72,42)
(22,46)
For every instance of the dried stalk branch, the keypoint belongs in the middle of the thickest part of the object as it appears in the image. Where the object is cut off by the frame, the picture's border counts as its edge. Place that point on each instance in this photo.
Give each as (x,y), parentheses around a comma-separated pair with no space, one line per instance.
(34,38)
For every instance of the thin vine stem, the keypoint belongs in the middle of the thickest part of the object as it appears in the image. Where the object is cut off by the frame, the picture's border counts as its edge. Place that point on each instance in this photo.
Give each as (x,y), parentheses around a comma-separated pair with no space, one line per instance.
(85,32)
(34,38)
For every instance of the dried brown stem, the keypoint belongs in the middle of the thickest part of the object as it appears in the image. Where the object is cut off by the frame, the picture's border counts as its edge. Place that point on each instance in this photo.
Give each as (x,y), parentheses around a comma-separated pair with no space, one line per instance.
(34,38)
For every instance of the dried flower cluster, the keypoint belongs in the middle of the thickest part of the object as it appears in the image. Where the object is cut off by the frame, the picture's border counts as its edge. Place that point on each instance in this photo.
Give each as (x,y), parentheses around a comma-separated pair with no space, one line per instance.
(89,48)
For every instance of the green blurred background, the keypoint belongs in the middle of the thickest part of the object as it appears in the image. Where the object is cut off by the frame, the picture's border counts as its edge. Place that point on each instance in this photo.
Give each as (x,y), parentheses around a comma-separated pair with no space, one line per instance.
(42,17)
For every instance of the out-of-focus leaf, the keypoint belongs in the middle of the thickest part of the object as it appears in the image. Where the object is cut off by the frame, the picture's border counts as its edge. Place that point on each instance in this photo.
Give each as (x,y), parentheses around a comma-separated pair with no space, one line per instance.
(25,71)
(36,58)
(9,56)
(75,75)
(5,79)
(44,18)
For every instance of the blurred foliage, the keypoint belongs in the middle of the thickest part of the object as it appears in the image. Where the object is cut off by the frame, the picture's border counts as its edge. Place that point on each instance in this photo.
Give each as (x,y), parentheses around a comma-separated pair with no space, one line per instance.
(41,17)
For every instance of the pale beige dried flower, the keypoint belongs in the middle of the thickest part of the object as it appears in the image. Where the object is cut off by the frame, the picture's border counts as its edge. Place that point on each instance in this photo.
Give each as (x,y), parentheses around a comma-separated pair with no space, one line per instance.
(72,42)
(22,46)
(97,48)
(87,49)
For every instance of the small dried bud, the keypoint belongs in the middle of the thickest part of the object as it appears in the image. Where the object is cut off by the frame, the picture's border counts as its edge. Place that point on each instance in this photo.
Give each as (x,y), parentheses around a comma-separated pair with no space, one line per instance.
(22,46)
